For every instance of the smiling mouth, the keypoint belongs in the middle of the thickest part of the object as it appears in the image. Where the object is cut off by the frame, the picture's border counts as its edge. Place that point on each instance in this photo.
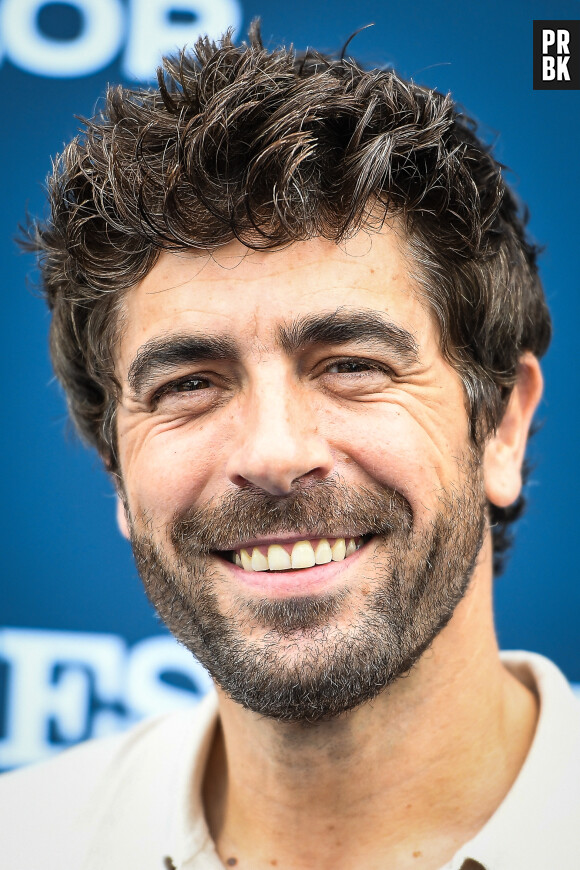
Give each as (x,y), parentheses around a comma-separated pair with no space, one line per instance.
(294,555)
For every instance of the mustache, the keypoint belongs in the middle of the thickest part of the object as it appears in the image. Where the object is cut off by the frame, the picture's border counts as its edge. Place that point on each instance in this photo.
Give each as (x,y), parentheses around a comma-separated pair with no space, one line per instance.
(316,508)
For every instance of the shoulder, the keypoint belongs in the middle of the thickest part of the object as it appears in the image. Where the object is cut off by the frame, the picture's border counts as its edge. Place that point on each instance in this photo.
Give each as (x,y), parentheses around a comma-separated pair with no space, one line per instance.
(75,771)
(56,808)
(543,806)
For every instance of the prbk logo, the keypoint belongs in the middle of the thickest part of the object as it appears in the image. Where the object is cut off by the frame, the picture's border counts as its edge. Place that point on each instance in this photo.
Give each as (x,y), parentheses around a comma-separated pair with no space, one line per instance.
(556,55)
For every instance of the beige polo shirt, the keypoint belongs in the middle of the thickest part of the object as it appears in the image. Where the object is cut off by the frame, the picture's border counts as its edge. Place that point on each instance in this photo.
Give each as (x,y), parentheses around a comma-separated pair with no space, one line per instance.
(133,801)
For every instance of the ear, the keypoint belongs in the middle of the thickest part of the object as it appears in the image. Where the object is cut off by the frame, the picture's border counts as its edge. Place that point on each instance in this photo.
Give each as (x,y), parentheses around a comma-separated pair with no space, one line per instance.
(122,519)
(504,452)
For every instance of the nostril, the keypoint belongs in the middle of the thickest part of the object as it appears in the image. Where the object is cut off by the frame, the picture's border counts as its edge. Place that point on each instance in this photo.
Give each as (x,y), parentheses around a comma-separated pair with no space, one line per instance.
(310,476)
(275,463)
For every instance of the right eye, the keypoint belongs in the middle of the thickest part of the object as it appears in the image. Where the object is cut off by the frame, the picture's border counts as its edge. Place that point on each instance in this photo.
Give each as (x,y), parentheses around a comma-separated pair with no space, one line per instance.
(190,388)
(185,385)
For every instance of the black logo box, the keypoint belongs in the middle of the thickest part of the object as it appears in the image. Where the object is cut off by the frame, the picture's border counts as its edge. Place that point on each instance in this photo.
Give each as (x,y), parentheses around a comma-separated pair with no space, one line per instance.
(573,63)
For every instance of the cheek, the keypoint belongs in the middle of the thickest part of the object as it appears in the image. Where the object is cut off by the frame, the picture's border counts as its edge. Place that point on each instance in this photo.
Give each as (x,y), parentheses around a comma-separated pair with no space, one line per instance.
(388,444)
(168,471)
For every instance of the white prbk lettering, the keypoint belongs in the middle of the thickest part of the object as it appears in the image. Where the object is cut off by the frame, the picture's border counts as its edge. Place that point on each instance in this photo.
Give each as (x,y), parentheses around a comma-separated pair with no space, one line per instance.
(563,74)
(563,40)
(95,47)
(153,34)
(548,68)
(548,39)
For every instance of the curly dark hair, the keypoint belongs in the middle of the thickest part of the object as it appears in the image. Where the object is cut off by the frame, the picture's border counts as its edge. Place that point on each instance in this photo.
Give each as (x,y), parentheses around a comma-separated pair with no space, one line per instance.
(273,147)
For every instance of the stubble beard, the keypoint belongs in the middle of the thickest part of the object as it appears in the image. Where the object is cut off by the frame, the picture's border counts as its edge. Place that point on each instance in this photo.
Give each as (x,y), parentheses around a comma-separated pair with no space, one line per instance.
(295,659)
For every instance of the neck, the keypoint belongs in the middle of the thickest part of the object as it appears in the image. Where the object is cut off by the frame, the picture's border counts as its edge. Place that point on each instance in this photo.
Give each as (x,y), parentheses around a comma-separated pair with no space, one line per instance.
(379,786)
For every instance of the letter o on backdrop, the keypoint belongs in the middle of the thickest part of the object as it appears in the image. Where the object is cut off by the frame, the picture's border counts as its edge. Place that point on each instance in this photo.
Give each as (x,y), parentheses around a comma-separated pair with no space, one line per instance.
(97,44)
(153,33)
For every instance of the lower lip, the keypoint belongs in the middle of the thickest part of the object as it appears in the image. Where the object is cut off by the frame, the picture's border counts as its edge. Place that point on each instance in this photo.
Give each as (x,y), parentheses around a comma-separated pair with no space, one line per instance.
(306,581)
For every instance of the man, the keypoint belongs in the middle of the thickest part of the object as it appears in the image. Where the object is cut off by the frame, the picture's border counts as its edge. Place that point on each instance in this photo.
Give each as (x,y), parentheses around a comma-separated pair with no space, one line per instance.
(294,307)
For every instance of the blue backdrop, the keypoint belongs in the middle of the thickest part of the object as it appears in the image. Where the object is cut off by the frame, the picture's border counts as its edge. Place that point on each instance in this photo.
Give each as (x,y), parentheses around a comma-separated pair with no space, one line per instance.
(81,652)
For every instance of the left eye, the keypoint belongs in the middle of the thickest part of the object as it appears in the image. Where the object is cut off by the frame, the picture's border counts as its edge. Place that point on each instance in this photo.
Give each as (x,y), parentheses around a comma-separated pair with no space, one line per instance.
(353,366)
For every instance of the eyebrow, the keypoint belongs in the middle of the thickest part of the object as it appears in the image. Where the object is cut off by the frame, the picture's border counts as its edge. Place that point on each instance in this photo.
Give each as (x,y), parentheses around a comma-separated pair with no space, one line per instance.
(353,326)
(166,353)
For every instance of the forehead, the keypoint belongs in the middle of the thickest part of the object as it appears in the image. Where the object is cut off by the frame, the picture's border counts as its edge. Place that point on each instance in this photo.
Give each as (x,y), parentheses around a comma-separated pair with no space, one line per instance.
(249,295)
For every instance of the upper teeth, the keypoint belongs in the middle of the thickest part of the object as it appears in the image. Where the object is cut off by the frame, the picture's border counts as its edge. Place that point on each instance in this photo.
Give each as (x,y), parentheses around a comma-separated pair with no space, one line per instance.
(302,554)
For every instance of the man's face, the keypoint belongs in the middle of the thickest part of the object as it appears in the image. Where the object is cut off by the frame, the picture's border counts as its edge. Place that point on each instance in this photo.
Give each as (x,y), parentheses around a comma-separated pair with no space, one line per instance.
(273,405)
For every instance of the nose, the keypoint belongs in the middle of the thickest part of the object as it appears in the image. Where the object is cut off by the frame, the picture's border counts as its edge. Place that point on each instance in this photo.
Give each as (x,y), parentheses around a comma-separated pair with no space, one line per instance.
(278,441)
